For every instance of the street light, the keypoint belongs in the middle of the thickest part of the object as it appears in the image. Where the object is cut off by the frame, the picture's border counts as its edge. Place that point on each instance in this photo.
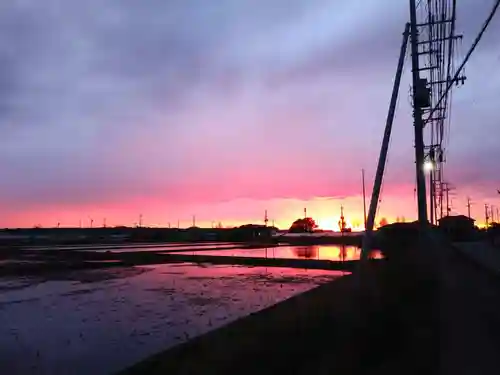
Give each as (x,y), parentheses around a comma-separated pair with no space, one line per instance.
(428,166)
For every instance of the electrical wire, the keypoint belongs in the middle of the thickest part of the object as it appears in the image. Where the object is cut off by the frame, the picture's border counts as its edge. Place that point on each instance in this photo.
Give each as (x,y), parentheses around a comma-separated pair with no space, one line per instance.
(469,53)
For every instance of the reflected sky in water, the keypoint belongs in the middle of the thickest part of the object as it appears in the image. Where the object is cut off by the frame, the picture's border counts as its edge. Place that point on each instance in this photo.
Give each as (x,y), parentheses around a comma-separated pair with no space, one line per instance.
(100,321)
(322,252)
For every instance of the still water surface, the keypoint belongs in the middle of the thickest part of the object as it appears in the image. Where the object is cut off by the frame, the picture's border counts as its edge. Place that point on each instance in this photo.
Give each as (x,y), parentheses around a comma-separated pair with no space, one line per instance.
(323,252)
(136,246)
(100,321)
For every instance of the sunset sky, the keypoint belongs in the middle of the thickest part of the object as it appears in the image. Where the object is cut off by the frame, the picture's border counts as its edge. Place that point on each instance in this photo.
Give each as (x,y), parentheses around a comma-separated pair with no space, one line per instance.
(222,109)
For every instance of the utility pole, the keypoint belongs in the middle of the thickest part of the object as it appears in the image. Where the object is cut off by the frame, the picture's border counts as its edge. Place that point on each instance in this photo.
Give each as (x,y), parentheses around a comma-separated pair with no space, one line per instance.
(194,220)
(305,212)
(441,200)
(342,221)
(436,46)
(265,218)
(446,188)
(420,99)
(431,196)
(140,221)
(468,207)
(486,215)
(364,197)
(104,223)
(448,209)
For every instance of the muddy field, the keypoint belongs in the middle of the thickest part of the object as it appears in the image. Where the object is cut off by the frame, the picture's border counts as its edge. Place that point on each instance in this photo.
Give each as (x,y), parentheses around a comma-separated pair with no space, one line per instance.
(103,320)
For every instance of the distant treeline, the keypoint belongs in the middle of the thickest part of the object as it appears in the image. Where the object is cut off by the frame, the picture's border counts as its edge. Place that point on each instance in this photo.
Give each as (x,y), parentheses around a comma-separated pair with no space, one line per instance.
(127,234)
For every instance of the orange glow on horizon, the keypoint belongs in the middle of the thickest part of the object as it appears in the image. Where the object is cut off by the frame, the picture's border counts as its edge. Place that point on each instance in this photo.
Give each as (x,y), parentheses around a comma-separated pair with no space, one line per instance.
(282,212)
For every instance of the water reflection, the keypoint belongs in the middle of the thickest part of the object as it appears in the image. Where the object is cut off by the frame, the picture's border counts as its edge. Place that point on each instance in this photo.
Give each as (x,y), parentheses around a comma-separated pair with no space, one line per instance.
(76,327)
(331,252)
(309,252)
(320,252)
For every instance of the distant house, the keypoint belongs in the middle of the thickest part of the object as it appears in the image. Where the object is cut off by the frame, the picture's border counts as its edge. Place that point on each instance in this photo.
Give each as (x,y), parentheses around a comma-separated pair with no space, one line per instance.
(249,232)
(458,228)
(395,238)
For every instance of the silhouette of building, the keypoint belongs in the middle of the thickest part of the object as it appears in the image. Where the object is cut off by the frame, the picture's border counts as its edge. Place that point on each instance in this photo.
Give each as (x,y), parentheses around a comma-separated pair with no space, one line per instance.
(458,228)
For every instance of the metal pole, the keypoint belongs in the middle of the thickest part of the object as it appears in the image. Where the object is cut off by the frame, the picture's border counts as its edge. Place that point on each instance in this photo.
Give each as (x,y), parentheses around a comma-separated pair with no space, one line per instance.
(364,197)
(448,209)
(367,238)
(486,214)
(441,199)
(431,196)
(417,116)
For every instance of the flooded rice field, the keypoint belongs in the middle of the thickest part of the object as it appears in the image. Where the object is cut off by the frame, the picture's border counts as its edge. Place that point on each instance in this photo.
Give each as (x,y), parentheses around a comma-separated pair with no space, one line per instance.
(322,252)
(138,247)
(101,321)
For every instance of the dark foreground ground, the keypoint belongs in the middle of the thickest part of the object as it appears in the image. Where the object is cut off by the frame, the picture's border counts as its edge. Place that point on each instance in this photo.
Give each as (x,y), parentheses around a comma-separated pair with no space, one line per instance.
(427,310)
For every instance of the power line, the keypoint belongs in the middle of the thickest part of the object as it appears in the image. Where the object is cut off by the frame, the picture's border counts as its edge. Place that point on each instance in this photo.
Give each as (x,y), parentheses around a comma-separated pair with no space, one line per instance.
(471,50)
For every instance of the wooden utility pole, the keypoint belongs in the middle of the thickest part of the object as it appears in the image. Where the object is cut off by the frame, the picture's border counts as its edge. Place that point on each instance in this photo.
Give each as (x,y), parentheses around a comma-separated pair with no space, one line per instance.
(468,206)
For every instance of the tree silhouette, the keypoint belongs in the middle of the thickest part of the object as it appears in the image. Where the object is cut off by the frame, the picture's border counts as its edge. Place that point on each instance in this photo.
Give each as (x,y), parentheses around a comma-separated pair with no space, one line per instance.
(383,222)
(303,225)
